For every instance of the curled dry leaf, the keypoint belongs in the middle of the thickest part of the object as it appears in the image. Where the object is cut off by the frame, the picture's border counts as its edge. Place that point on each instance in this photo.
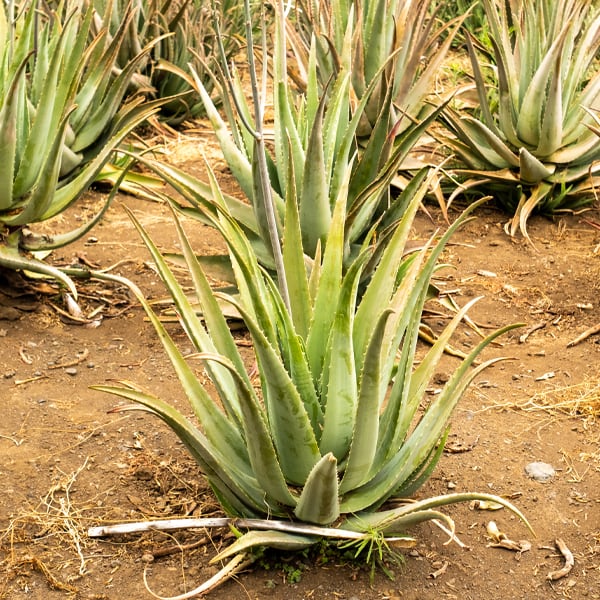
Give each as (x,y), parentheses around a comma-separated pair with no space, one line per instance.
(501,540)
(569,561)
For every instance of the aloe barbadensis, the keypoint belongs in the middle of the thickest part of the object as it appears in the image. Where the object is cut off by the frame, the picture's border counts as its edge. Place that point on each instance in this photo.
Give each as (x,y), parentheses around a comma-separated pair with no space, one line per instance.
(61,118)
(530,143)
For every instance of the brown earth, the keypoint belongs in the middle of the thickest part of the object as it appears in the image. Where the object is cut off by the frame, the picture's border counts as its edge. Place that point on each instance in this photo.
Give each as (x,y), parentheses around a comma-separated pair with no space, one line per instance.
(67,464)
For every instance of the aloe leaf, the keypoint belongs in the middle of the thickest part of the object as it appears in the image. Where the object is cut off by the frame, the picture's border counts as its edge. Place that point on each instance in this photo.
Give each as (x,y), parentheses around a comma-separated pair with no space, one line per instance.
(551,134)
(535,99)
(379,145)
(279,540)
(391,521)
(426,435)
(493,149)
(423,472)
(581,152)
(202,340)
(219,430)
(366,429)
(381,285)
(42,193)
(266,463)
(319,499)
(531,169)
(8,135)
(527,205)
(426,368)
(295,361)
(218,330)
(294,263)
(289,423)
(339,381)
(288,144)
(49,110)
(314,208)
(237,161)
(11,258)
(200,194)
(97,121)
(69,192)
(328,289)
(51,242)
(335,122)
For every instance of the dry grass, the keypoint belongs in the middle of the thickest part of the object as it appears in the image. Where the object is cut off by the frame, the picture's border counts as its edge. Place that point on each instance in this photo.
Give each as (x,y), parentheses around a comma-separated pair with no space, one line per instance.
(55,522)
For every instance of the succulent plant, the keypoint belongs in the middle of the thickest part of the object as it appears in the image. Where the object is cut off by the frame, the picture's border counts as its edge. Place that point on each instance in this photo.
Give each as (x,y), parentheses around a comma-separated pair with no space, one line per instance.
(531,142)
(62,115)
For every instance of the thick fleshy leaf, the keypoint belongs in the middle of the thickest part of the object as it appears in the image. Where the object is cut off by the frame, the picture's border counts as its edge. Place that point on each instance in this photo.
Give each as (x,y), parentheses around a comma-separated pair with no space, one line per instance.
(13,96)
(257,432)
(532,170)
(314,206)
(280,540)
(391,521)
(366,428)
(288,420)
(339,385)
(319,500)
(241,488)
(529,121)
(426,435)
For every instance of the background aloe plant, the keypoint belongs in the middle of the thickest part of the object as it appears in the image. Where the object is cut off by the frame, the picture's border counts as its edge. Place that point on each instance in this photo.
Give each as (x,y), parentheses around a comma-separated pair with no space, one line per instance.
(62,115)
(405,36)
(188,38)
(531,144)
(314,151)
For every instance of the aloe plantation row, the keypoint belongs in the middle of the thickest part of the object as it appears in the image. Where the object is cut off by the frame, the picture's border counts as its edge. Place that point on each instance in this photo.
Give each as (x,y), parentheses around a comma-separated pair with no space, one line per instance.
(327,286)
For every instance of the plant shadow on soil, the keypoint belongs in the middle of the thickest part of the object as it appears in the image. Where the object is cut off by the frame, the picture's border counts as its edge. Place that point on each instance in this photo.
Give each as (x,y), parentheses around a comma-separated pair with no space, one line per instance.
(66,464)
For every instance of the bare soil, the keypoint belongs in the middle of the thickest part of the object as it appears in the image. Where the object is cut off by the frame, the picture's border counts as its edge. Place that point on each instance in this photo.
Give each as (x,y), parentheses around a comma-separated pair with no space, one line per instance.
(66,463)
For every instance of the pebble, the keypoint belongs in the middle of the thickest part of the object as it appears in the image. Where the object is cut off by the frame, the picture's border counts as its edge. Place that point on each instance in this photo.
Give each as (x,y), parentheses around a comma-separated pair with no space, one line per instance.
(72,371)
(540,471)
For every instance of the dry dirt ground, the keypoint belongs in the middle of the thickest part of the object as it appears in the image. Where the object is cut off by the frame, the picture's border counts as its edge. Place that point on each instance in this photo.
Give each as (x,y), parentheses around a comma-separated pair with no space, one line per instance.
(66,463)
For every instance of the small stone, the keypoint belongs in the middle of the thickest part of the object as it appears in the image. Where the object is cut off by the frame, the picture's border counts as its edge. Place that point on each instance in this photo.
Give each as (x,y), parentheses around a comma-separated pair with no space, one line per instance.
(72,371)
(540,471)
(451,485)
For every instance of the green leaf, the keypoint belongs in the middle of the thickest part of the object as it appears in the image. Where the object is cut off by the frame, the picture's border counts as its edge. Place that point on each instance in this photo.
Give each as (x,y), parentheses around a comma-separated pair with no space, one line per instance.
(13,96)
(339,385)
(279,540)
(318,502)
(229,476)
(265,462)
(314,208)
(294,263)
(288,420)
(531,169)
(366,428)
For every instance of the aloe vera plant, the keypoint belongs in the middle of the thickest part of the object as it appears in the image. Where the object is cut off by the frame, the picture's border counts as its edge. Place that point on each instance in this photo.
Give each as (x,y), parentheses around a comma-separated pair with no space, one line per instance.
(336,424)
(61,117)
(531,143)
(187,38)
(361,37)
(314,149)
